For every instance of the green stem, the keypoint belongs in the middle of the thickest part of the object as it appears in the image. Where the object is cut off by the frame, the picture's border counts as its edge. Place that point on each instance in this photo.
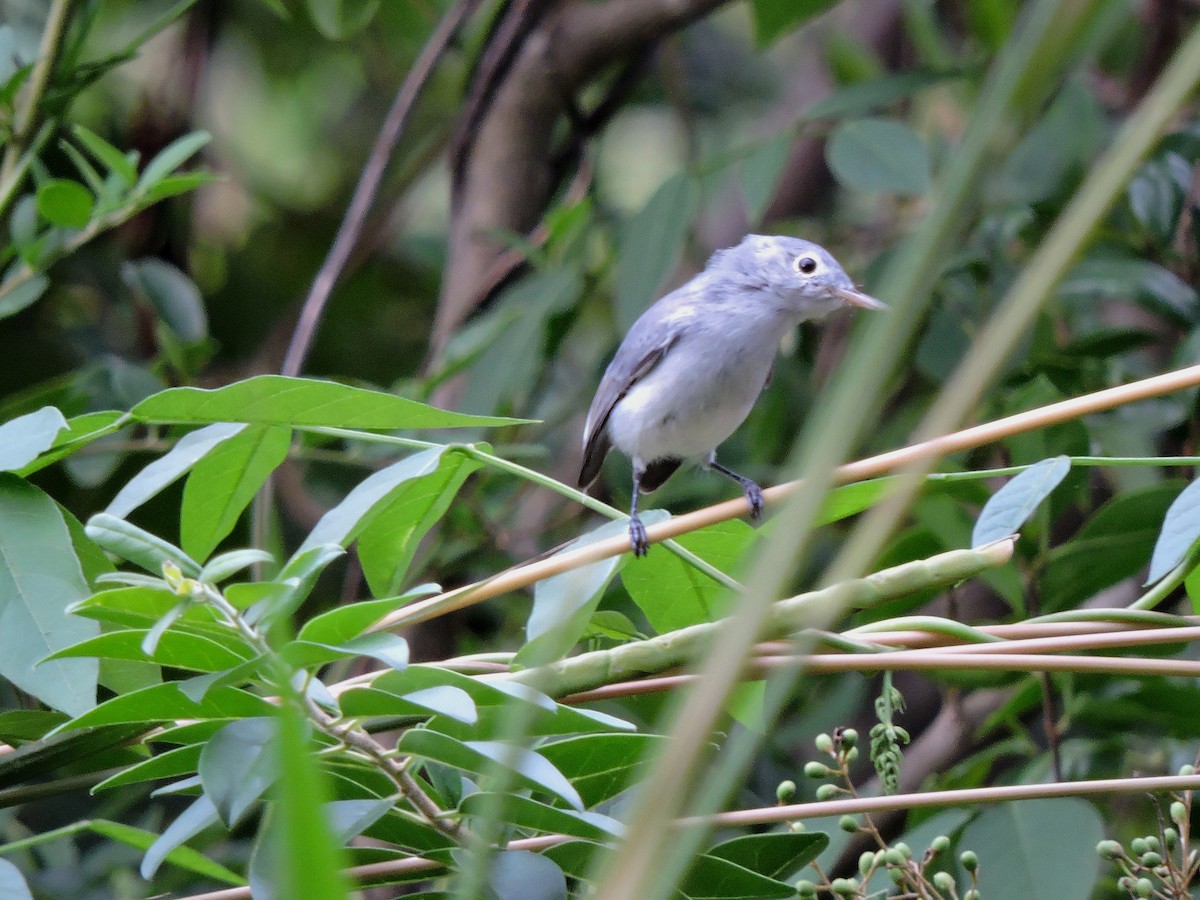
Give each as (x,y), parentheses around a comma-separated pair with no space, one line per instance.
(931,624)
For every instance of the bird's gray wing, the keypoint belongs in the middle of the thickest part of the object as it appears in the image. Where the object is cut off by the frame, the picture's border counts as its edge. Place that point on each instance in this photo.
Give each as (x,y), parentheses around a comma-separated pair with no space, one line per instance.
(635,359)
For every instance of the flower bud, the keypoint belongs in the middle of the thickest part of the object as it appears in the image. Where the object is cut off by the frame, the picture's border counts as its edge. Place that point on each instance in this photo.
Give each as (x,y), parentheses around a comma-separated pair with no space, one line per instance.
(969,860)
(1110,850)
(785,791)
(824,743)
(816,770)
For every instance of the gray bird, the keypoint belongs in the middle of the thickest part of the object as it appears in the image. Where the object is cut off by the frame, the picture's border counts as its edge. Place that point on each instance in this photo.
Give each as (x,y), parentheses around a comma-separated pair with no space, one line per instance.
(692,365)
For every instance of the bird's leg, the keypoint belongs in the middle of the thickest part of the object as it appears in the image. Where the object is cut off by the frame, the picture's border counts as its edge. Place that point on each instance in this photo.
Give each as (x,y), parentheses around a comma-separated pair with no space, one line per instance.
(750,488)
(637,531)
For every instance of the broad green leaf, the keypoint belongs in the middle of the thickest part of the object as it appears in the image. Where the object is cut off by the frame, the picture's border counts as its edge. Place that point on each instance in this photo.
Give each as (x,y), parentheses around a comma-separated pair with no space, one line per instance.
(301,402)
(759,172)
(166,702)
(222,484)
(15,296)
(600,766)
(481,757)
(238,764)
(12,883)
(563,604)
(525,812)
(1139,279)
(484,692)
(522,875)
(226,565)
(388,542)
(138,546)
(20,725)
(776,854)
(1012,505)
(674,594)
(775,18)
(173,763)
(879,155)
(79,432)
(174,185)
(184,857)
(174,296)
(1180,531)
(309,863)
(24,438)
(1017,858)
(189,823)
(179,649)
(149,482)
(865,97)
(350,818)
(342,623)
(104,152)
(40,577)
(65,203)
(389,649)
(650,245)
(851,499)
(170,158)
(713,878)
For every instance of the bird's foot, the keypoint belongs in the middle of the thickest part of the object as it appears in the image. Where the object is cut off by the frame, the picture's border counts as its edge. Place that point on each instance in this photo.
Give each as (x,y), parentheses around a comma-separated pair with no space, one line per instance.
(754,497)
(637,536)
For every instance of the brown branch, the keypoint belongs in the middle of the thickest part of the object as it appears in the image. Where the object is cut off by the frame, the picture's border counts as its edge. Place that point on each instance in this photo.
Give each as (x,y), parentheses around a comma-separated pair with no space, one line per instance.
(368,185)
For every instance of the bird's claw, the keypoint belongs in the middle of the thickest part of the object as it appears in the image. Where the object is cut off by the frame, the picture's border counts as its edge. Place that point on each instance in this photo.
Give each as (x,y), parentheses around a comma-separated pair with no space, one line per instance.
(755,498)
(637,537)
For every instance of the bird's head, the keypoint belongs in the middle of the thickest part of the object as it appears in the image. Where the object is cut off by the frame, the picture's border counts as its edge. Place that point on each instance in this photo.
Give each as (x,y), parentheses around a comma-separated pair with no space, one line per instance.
(800,273)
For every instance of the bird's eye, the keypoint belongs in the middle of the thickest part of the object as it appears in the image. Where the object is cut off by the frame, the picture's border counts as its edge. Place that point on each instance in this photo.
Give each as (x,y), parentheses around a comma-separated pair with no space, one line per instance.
(805,265)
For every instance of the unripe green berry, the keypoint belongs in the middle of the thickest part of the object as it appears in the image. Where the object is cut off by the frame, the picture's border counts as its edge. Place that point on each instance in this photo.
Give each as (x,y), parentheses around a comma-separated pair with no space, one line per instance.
(940,844)
(852,754)
(866,862)
(824,743)
(1185,771)
(816,770)
(1171,836)
(1138,846)
(896,874)
(972,894)
(844,887)
(785,791)
(1178,813)
(1151,859)
(848,824)
(894,857)
(828,791)
(806,889)
(1126,883)
(796,826)
(1110,850)
(943,881)
(903,848)
(1152,843)
(1145,887)
(969,860)
(849,738)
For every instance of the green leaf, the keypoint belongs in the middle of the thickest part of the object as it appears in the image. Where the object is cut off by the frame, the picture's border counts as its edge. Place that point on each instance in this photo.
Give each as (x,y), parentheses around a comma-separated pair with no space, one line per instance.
(388,542)
(24,438)
(170,158)
(1017,858)
(674,594)
(189,823)
(481,757)
(522,875)
(865,97)
(184,857)
(174,297)
(350,818)
(104,152)
(759,172)
(879,155)
(80,431)
(222,484)
(40,577)
(238,764)
(389,649)
(1180,531)
(226,565)
(775,18)
(1011,506)
(851,499)
(600,766)
(174,185)
(1147,282)
(650,245)
(13,299)
(301,402)
(525,812)
(149,482)
(179,649)
(776,854)
(65,203)
(720,879)
(343,623)
(173,763)
(166,702)
(341,19)
(12,883)
(138,546)
(563,604)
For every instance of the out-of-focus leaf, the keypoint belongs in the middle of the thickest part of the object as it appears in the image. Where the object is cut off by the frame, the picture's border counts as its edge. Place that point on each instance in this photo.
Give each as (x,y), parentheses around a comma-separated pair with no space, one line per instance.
(24,438)
(650,245)
(759,173)
(173,295)
(525,812)
(192,447)
(775,18)
(238,764)
(1012,505)
(879,155)
(40,577)
(1136,279)
(189,823)
(12,883)
(600,766)
(1180,531)
(15,297)
(222,484)
(104,152)
(170,158)
(299,402)
(871,96)
(521,875)
(65,203)
(340,19)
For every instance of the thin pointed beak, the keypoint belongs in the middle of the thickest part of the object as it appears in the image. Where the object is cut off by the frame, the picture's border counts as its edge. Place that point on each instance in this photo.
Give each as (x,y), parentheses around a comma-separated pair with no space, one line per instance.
(851,297)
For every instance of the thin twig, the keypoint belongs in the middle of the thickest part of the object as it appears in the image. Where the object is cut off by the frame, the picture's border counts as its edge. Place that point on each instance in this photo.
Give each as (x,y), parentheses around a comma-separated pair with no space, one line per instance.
(368,185)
